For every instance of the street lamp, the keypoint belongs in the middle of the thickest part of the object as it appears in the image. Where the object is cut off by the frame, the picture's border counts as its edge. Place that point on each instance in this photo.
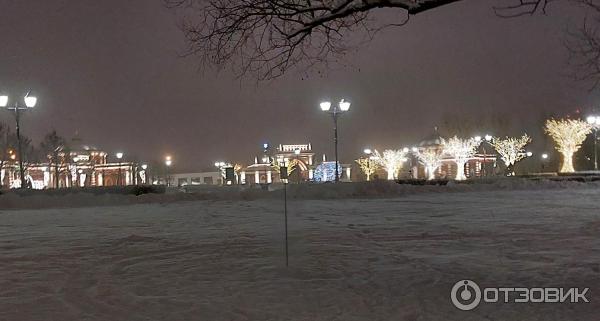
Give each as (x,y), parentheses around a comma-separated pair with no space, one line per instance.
(168,163)
(342,107)
(144,178)
(544,160)
(487,139)
(595,122)
(30,102)
(119,157)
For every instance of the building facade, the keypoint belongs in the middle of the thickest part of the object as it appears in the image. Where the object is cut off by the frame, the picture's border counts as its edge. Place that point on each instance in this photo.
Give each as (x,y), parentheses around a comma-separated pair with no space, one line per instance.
(81,166)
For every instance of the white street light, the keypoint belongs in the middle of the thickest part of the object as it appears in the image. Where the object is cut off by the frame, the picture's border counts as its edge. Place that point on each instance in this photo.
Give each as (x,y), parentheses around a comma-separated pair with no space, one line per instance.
(342,107)
(325,106)
(529,154)
(405,149)
(30,102)
(144,166)
(488,138)
(119,156)
(168,163)
(595,122)
(544,156)
(414,150)
(368,151)
(478,138)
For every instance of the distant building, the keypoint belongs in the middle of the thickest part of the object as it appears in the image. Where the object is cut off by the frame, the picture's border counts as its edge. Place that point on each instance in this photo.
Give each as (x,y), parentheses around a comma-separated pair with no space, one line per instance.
(77,166)
(203,178)
(263,171)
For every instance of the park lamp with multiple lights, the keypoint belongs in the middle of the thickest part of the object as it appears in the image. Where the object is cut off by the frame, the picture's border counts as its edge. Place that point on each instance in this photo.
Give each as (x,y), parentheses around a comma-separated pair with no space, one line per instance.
(341,107)
(30,102)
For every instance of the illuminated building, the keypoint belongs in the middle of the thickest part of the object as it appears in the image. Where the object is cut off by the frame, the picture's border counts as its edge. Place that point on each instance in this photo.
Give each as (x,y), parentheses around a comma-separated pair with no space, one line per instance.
(77,166)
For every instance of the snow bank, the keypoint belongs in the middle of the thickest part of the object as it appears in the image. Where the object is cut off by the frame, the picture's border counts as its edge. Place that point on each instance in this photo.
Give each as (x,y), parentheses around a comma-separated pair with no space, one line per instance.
(375,189)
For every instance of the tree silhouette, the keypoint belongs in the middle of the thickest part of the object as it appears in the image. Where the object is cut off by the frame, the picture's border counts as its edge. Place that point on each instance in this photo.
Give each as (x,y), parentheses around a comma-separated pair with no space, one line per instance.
(268,37)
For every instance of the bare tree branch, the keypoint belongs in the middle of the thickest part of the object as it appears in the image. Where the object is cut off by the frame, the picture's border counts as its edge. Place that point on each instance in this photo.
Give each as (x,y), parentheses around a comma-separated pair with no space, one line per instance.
(517,8)
(268,37)
(583,45)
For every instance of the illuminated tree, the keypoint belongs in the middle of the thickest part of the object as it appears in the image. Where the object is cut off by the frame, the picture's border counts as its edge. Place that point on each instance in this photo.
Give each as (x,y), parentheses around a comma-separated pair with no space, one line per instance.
(391,161)
(431,158)
(290,163)
(461,150)
(368,165)
(511,149)
(568,134)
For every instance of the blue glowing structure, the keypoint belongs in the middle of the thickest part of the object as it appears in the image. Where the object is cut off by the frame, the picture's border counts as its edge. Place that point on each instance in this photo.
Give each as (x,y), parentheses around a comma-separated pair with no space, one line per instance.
(325,172)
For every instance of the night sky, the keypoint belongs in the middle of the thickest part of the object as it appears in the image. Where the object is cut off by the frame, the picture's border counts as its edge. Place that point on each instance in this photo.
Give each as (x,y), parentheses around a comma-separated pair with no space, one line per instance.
(110,71)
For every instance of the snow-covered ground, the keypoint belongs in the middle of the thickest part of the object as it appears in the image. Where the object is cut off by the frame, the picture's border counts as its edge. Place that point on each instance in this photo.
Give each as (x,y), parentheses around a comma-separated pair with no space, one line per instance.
(351,259)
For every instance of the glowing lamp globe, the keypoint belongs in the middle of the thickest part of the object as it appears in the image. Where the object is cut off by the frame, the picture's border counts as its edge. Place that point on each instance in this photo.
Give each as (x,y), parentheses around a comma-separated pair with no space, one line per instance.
(344,105)
(591,119)
(119,155)
(325,106)
(30,101)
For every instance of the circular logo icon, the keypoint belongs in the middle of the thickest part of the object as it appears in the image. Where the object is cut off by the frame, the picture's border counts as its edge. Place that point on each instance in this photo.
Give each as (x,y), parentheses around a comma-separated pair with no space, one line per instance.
(466,295)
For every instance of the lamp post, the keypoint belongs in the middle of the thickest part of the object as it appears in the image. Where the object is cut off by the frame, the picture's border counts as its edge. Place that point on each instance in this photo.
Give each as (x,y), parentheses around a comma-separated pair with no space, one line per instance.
(544,160)
(595,122)
(370,158)
(119,157)
(145,171)
(220,165)
(343,106)
(485,139)
(30,102)
(168,163)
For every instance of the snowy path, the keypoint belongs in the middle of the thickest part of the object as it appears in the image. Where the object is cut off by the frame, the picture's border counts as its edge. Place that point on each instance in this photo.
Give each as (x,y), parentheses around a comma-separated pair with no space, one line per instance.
(365,259)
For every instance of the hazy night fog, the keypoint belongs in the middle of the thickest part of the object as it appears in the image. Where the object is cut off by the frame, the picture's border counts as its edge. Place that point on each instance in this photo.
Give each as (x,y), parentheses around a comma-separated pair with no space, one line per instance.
(110,71)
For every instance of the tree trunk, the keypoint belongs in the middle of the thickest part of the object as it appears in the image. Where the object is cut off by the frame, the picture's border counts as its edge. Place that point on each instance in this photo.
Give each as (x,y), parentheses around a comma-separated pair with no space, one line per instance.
(460,171)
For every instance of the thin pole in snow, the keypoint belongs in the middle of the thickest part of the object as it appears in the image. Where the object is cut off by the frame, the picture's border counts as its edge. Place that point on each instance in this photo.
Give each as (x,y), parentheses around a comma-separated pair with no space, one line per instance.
(286,223)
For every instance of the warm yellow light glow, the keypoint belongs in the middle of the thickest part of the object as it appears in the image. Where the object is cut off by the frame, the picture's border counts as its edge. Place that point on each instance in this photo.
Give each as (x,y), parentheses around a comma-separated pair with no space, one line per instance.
(368,165)
(391,161)
(511,149)
(461,150)
(568,134)
(431,158)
